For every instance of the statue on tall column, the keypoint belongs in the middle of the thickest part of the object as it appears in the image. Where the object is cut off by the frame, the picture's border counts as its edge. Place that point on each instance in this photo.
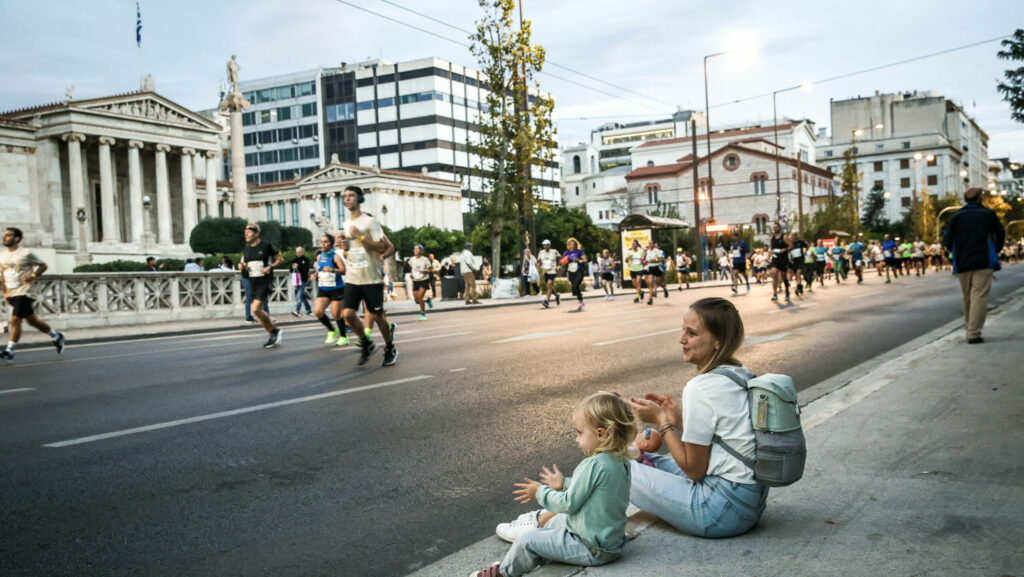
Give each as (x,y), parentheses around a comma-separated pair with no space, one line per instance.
(233,69)
(233,105)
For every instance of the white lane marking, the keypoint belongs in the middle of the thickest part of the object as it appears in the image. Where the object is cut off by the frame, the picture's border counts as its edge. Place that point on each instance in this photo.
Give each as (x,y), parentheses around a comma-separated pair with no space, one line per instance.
(457,370)
(433,337)
(16,390)
(232,413)
(633,338)
(543,335)
(865,295)
(123,355)
(752,340)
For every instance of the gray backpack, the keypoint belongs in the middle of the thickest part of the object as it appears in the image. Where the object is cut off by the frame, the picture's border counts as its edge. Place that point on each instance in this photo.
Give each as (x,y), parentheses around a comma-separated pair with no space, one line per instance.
(781,449)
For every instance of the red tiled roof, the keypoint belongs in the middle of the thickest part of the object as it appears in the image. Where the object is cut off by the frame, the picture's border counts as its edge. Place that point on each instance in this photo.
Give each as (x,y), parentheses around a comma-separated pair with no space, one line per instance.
(679,168)
(722,134)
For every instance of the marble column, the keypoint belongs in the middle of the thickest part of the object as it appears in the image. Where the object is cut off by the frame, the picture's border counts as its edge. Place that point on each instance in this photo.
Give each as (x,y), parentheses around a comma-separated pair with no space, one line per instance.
(75,180)
(211,185)
(238,182)
(188,192)
(135,191)
(111,230)
(163,196)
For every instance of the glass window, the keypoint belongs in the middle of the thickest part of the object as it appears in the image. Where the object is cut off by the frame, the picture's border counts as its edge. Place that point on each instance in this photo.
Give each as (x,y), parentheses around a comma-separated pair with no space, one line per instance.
(307,131)
(904,163)
(905,145)
(270,211)
(309,109)
(879,185)
(268,157)
(879,147)
(879,166)
(248,118)
(266,95)
(295,212)
(286,134)
(933,161)
(284,113)
(905,201)
(904,183)
(266,116)
(288,154)
(828,154)
(305,89)
(280,212)
(367,105)
(933,180)
(327,206)
(248,139)
(385,102)
(251,159)
(284,92)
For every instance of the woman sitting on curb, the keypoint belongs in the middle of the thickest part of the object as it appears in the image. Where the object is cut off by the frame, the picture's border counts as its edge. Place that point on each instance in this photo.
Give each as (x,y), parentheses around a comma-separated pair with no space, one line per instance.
(700,489)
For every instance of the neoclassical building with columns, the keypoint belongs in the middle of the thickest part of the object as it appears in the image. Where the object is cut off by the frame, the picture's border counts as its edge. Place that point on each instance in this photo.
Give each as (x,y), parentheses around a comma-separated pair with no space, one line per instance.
(397,198)
(118,177)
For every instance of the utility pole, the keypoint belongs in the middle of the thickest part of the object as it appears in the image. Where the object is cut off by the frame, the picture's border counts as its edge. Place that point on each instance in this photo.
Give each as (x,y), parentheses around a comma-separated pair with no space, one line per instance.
(696,202)
(799,191)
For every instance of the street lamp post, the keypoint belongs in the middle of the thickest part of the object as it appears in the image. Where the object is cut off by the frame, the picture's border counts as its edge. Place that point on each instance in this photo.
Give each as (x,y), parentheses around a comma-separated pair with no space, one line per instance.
(147,237)
(83,256)
(775,129)
(854,133)
(707,132)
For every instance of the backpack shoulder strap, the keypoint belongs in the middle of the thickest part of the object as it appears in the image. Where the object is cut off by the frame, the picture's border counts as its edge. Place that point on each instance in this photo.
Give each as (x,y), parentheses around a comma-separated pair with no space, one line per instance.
(718,440)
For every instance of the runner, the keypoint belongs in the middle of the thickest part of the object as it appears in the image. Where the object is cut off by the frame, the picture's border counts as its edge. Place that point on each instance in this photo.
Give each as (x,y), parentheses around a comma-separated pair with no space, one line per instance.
(665,262)
(654,258)
(917,255)
(797,248)
(838,252)
(935,255)
(889,254)
(548,259)
(876,256)
(683,263)
(330,289)
(779,262)
(421,271)
(258,261)
(20,269)
(820,261)
(906,253)
(738,251)
(636,256)
(576,261)
(608,275)
(809,268)
(856,251)
(364,280)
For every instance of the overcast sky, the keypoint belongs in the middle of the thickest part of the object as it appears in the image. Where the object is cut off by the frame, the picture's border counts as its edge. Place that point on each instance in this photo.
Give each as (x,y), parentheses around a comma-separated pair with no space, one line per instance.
(652,47)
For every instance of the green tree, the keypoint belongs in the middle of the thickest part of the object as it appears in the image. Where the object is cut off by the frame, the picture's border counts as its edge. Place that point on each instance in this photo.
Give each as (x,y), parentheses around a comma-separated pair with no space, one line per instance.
(439,242)
(516,132)
(296,236)
(873,217)
(850,187)
(1013,88)
(215,235)
(558,223)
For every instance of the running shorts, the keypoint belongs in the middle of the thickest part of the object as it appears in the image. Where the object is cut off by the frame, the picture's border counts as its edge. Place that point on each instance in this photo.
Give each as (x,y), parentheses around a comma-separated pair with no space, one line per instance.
(420,284)
(371,294)
(654,271)
(21,306)
(260,287)
(333,295)
(740,266)
(608,276)
(780,262)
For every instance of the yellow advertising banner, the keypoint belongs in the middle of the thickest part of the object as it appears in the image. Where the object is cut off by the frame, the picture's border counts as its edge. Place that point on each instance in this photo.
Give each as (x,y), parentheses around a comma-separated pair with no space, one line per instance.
(628,236)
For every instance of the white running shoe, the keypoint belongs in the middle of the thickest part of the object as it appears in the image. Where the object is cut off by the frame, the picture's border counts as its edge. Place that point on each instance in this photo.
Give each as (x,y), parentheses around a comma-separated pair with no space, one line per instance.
(512,530)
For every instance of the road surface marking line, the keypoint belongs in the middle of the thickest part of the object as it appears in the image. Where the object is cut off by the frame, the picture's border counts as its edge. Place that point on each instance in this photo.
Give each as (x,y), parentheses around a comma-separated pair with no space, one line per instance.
(865,295)
(221,415)
(633,338)
(542,335)
(457,370)
(16,390)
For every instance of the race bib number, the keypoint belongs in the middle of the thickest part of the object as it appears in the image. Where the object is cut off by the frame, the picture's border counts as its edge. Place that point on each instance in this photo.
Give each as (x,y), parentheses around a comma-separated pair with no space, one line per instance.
(736,254)
(776,251)
(573,267)
(255,269)
(357,258)
(326,279)
(888,254)
(859,263)
(12,279)
(796,253)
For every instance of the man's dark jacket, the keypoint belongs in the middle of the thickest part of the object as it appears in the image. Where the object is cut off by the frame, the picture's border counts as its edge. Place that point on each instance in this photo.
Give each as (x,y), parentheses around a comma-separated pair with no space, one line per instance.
(975,236)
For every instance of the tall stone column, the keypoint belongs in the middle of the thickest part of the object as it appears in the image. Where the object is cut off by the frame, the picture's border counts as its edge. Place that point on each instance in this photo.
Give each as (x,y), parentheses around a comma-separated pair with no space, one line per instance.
(212,208)
(135,191)
(75,181)
(188,192)
(238,182)
(111,231)
(163,196)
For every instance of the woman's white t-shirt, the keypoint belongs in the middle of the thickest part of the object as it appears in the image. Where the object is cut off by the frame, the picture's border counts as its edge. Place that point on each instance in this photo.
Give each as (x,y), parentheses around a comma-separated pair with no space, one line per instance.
(715,405)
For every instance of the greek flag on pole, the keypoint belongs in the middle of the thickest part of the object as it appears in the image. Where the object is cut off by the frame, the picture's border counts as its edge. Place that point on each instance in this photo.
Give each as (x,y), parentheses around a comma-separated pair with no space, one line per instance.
(138,25)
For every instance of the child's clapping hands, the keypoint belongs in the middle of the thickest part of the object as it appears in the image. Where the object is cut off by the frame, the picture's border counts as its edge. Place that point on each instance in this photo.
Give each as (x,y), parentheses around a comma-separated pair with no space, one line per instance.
(527,490)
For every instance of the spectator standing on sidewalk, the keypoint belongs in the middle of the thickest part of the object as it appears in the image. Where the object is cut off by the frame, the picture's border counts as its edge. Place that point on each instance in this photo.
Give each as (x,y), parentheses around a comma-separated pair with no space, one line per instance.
(435,269)
(469,269)
(192,266)
(300,265)
(975,236)
(699,488)
(529,276)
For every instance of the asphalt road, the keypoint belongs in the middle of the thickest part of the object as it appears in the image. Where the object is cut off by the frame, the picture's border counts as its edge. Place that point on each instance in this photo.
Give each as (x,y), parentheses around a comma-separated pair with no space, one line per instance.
(208,455)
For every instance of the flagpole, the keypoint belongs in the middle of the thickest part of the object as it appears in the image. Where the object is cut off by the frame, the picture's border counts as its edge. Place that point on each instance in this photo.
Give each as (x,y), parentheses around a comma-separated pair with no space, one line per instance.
(138,38)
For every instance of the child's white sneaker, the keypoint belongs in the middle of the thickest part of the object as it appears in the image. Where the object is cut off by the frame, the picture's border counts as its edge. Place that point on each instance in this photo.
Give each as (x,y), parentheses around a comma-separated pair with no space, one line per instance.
(512,530)
(491,571)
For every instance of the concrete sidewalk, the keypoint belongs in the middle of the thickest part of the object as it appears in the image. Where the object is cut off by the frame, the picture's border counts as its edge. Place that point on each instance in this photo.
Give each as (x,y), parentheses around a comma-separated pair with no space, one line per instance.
(32,339)
(914,468)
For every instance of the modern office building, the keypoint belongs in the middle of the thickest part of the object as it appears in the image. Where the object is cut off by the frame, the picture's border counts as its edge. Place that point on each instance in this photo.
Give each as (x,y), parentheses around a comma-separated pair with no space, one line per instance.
(417,116)
(907,144)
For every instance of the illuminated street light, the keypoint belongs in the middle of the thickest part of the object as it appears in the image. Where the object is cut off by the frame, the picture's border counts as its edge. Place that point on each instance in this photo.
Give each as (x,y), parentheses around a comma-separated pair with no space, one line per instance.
(805,86)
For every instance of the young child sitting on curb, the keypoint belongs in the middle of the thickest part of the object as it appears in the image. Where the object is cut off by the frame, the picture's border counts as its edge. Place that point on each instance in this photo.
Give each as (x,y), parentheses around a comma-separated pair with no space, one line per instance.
(584,517)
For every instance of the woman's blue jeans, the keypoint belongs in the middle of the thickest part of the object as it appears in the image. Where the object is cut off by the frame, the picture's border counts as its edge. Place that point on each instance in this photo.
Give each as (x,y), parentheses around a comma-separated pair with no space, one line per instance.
(713,508)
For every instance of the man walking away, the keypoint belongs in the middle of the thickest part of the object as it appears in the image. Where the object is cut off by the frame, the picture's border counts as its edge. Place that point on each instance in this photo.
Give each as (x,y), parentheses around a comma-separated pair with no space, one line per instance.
(20,269)
(469,269)
(975,236)
(300,264)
